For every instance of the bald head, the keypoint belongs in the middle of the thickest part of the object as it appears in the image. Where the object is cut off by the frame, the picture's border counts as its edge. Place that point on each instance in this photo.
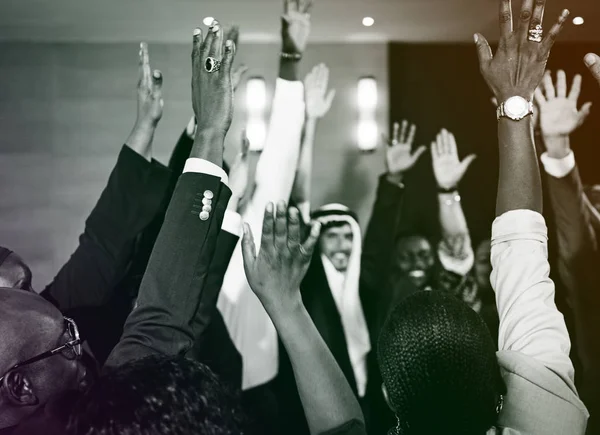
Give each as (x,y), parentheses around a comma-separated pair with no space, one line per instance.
(30,326)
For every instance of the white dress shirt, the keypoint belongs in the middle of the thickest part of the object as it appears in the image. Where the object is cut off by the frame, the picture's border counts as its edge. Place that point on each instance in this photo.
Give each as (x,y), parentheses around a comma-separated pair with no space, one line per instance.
(248,324)
(558,168)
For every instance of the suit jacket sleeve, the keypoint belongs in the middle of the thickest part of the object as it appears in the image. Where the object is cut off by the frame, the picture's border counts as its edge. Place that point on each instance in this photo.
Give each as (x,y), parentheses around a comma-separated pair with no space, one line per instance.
(130,200)
(173,285)
(578,260)
(378,248)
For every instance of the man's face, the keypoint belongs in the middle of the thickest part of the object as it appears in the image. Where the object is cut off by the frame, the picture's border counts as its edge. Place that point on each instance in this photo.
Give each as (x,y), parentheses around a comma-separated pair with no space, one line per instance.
(336,245)
(415,260)
(483,265)
(14,273)
(30,326)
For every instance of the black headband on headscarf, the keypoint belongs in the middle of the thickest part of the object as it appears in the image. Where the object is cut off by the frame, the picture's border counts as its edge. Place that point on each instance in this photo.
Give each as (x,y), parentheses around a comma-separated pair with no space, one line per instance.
(333,210)
(4,253)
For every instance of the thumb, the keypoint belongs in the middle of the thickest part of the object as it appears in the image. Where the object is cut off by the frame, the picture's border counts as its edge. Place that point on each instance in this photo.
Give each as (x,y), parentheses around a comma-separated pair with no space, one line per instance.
(584,112)
(329,99)
(593,63)
(464,165)
(418,153)
(248,248)
(245,144)
(484,52)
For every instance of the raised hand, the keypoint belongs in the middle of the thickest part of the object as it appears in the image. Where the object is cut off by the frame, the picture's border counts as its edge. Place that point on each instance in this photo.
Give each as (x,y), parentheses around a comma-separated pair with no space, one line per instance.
(519,63)
(149,91)
(233,34)
(149,106)
(295,26)
(592,61)
(447,168)
(212,90)
(558,110)
(318,100)
(399,155)
(276,272)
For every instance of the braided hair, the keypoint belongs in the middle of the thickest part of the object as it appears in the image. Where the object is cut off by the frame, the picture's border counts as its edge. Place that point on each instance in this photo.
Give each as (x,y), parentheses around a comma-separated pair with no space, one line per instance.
(438,363)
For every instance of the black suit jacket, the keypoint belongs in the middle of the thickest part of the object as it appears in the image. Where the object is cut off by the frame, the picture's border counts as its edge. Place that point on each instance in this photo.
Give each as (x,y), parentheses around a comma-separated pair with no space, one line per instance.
(173,286)
(130,200)
(578,266)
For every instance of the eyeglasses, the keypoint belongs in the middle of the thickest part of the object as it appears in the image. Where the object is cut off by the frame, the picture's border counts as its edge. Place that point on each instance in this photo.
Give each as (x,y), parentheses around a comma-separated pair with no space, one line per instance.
(74,345)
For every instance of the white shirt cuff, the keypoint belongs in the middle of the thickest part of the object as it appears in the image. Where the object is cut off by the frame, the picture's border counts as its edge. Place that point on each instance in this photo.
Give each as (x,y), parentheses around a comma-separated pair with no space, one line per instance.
(290,89)
(558,168)
(460,266)
(232,223)
(519,225)
(205,167)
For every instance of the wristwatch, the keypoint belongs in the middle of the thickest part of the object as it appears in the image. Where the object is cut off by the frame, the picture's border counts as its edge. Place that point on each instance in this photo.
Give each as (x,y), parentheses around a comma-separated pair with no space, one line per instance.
(515,108)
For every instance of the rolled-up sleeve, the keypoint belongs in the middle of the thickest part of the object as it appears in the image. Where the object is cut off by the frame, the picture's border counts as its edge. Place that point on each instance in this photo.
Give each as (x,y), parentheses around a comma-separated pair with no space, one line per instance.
(530,323)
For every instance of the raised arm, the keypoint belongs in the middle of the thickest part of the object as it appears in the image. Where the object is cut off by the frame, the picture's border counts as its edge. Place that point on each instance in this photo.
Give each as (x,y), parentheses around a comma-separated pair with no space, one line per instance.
(275,275)
(318,102)
(529,321)
(162,320)
(455,250)
(133,195)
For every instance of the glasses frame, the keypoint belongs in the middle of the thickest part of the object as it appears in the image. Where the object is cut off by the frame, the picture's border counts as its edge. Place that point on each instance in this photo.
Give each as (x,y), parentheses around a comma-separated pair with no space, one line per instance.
(74,344)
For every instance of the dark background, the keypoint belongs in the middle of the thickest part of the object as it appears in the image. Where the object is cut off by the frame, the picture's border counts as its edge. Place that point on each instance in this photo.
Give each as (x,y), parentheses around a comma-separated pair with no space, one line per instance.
(439,86)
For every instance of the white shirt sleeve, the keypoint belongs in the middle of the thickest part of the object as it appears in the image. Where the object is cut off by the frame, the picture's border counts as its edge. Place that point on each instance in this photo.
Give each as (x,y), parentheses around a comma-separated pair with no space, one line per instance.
(460,265)
(530,323)
(558,168)
(205,167)
(232,223)
(248,323)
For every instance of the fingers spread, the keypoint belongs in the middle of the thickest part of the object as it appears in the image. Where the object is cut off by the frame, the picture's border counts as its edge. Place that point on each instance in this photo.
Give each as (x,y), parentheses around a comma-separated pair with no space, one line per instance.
(539,96)
(411,134)
(145,72)
(293,229)
(584,112)
(228,58)
(281,226)
(196,43)
(248,246)
(396,130)
(484,52)
(403,131)
(308,246)
(549,86)
(538,13)
(550,38)
(525,19)
(505,18)
(268,230)
(575,88)
(561,84)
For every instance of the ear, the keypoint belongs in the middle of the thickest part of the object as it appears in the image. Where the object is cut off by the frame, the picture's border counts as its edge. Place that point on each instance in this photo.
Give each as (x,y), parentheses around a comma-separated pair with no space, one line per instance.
(387,397)
(18,389)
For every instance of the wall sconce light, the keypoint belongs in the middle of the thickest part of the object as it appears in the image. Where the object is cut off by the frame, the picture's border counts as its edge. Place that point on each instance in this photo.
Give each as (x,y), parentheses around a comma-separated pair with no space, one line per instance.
(367,131)
(256,103)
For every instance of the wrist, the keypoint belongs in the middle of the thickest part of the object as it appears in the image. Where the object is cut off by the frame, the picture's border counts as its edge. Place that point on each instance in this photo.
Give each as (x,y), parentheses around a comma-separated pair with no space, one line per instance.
(558,147)
(208,145)
(447,189)
(281,311)
(395,178)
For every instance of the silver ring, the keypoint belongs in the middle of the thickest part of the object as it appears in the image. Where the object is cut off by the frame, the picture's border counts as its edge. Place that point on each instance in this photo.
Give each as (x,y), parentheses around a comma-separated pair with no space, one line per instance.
(212,65)
(535,34)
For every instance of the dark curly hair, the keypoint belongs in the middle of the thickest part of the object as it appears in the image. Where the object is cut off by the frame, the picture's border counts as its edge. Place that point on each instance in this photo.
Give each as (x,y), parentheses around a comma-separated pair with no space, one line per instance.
(158,395)
(439,366)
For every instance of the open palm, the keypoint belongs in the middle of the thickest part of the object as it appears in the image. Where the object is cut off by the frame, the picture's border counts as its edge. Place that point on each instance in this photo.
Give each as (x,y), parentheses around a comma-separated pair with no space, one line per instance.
(447,167)
(318,100)
(296,25)
(399,155)
(558,111)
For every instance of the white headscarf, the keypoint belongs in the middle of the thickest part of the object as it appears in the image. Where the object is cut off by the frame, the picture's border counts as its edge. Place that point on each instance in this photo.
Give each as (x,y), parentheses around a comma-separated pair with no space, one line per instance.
(344,288)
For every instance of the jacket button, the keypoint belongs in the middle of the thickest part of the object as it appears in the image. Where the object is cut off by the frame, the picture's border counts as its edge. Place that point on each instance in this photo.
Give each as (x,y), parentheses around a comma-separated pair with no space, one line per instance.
(208,194)
(206,201)
(204,215)
(207,208)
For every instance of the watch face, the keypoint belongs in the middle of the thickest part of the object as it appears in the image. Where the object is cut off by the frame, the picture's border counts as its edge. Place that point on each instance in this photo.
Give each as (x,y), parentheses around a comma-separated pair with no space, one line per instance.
(516,107)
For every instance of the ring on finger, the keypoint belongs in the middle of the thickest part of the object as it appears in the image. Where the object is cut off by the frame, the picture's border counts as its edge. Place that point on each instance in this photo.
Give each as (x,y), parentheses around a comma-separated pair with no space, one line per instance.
(535,34)
(212,65)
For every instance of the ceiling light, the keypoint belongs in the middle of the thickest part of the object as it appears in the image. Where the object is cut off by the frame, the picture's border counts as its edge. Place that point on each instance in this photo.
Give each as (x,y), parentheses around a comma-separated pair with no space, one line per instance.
(208,21)
(578,21)
(368,21)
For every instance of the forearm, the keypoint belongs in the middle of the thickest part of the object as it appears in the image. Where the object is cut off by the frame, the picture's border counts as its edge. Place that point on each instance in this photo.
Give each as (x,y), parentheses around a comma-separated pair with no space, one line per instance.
(302,183)
(326,396)
(452,218)
(519,186)
(140,139)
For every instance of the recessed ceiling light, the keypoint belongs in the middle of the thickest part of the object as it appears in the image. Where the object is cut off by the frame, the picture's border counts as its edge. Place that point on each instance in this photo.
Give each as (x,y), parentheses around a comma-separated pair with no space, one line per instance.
(578,21)
(208,21)
(368,21)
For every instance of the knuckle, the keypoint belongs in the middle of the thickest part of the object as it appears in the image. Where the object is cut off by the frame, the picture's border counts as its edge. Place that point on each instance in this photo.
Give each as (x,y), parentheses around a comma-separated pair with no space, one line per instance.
(539,3)
(505,17)
(526,15)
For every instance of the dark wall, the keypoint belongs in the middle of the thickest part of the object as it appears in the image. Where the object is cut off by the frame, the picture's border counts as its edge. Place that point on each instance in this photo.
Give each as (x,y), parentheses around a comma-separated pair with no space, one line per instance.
(439,86)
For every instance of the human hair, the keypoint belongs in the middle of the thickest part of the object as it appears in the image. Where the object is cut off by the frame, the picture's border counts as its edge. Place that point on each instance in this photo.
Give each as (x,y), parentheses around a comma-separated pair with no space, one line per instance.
(158,395)
(439,367)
